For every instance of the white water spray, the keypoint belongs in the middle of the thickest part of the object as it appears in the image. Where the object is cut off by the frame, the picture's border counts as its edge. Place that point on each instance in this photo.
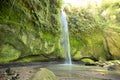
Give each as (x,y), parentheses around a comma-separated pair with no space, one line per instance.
(65,37)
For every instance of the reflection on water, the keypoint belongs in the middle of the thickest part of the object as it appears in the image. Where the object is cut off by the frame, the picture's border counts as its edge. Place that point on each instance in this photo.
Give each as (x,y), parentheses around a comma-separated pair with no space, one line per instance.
(81,72)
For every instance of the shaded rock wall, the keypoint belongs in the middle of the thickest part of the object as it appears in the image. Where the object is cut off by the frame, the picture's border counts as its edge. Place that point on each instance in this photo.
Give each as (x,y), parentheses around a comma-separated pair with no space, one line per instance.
(29,28)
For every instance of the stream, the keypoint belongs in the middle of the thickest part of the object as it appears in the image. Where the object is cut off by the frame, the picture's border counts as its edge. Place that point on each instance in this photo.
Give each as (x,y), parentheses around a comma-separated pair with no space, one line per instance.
(81,72)
(63,71)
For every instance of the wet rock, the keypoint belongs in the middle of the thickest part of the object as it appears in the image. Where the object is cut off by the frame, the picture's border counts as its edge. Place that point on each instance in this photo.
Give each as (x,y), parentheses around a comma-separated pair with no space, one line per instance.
(3,76)
(9,71)
(114,67)
(15,77)
(111,66)
(44,74)
(99,64)
(88,61)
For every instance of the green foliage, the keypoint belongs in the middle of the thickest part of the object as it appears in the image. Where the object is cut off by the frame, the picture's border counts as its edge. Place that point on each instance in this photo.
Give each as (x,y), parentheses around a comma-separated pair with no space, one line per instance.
(82,21)
(110,12)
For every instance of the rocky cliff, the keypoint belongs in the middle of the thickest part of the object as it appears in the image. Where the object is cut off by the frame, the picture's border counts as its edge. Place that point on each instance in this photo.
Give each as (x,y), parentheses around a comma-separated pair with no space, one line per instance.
(30,31)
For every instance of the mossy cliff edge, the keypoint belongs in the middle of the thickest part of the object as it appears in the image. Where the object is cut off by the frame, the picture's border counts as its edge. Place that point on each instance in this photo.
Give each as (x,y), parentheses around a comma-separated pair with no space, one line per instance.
(30,31)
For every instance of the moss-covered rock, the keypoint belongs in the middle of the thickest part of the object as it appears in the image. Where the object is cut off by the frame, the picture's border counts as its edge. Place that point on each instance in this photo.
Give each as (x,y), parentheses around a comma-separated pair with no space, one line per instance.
(110,12)
(88,61)
(30,27)
(8,53)
(112,38)
(44,74)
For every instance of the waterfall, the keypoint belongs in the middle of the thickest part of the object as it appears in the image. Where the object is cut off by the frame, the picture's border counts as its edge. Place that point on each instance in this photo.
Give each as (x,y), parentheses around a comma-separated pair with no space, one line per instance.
(65,37)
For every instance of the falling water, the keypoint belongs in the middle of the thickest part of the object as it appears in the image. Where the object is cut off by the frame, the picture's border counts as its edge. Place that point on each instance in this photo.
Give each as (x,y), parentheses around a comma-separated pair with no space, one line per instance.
(65,37)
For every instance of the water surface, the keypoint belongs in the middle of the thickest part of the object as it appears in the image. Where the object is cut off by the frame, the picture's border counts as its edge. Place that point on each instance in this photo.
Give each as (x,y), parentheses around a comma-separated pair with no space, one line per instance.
(82,72)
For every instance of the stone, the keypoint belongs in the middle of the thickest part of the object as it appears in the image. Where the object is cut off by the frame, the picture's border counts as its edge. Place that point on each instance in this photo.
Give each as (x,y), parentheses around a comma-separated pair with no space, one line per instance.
(44,74)
(113,38)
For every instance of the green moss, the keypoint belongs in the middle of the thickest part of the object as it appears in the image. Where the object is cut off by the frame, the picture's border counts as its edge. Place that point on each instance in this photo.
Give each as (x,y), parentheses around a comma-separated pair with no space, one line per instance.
(87,60)
(110,12)
(8,53)
(75,46)
(44,74)
(112,39)
(31,27)
(77,56)
(32,58)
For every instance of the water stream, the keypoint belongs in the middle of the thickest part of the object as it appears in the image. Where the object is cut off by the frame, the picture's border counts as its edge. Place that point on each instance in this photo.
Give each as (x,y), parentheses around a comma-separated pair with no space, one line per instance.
(65,37)
(81,72)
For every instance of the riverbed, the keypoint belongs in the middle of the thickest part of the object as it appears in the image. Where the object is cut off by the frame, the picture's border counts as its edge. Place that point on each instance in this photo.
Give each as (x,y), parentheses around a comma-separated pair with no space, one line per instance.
(24,71)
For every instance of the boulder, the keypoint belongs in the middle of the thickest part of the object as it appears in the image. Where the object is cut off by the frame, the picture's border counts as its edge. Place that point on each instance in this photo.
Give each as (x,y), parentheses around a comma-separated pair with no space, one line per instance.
(112,39)
(44,74)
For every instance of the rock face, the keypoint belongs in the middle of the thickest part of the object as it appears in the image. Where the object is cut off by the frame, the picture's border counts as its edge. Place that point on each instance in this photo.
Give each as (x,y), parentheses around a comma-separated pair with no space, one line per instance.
(28,29)
(94,35)
(44,74)
(112,38)
(31,30)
